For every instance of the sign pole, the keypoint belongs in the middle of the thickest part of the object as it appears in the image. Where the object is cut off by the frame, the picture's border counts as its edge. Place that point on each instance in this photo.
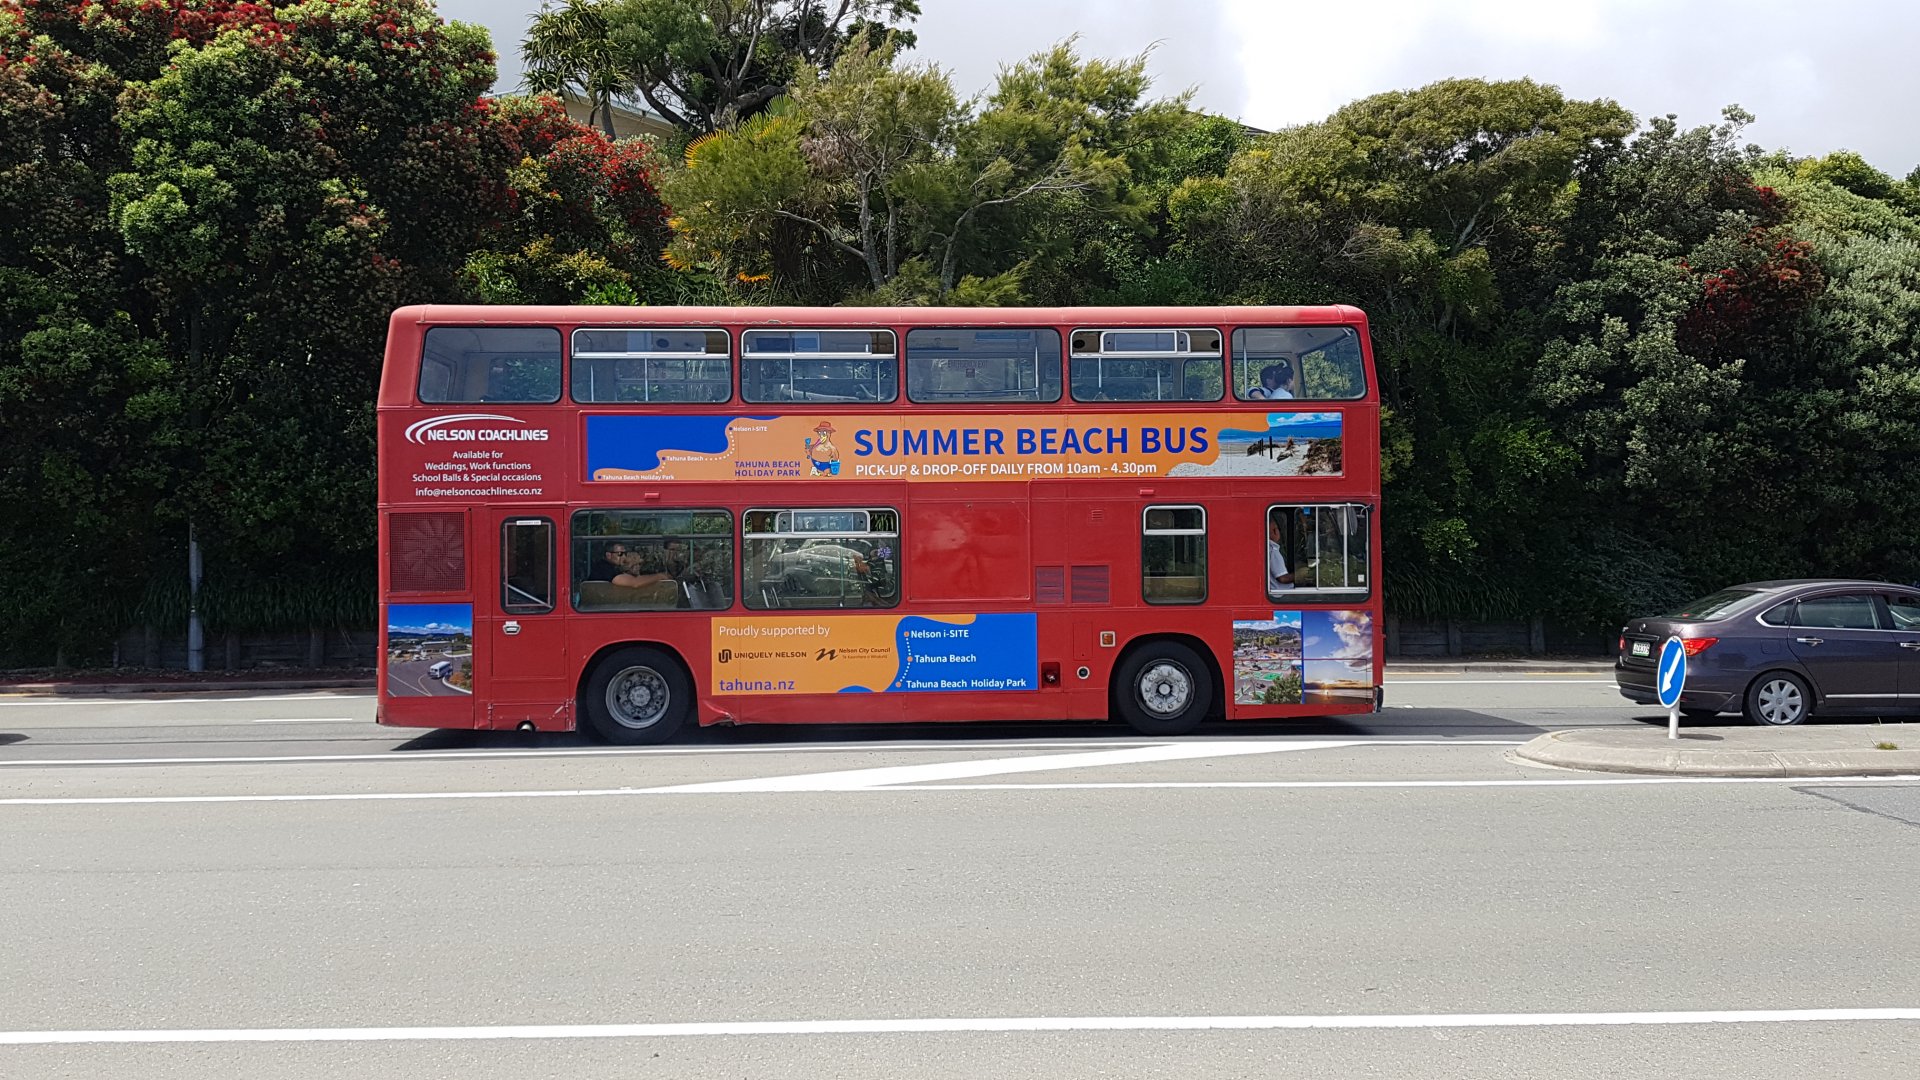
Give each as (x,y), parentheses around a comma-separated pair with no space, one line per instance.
(1673,722)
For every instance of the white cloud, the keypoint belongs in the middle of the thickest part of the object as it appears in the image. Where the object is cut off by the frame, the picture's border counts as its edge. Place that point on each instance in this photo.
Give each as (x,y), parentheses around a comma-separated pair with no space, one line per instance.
(1819,77)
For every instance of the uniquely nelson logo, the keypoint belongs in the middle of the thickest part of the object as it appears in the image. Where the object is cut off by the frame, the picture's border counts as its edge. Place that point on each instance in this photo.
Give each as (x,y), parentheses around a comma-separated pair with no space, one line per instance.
(472,428)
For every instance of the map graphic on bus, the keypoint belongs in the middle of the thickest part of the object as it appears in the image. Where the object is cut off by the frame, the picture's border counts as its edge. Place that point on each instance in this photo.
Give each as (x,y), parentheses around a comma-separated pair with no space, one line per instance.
(429,650)
(937,447)
(854,654)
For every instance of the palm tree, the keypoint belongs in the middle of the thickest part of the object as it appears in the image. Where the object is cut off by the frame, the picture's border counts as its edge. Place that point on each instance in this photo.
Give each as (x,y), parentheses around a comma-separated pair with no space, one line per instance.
(570,50)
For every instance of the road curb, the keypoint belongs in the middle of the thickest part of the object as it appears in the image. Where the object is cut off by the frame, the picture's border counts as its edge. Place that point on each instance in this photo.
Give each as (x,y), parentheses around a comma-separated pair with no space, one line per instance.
(1564,750)
(111,689)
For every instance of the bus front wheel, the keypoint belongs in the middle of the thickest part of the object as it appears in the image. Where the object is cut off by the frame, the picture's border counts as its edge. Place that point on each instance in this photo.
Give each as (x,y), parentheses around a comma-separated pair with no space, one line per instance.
(1163,688)
(638,695)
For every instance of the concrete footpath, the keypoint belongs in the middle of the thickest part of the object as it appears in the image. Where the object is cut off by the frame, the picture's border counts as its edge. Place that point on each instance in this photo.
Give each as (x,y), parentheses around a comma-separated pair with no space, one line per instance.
(1813,750)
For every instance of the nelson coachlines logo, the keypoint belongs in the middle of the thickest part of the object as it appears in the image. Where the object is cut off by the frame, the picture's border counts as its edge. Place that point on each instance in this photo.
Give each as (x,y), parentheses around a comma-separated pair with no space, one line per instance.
(468,428)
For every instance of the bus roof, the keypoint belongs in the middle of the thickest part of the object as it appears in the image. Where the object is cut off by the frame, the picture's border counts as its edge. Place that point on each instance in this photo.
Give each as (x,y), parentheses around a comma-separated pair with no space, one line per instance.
(520,315)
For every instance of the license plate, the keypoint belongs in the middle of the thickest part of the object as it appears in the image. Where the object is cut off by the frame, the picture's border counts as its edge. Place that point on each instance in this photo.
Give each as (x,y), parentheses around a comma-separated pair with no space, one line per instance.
(1642,648)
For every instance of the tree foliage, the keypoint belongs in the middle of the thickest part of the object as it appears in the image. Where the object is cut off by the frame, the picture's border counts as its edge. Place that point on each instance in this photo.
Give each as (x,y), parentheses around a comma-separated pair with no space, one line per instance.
(879,164)
(1619,361)
(701,64)
(207,210)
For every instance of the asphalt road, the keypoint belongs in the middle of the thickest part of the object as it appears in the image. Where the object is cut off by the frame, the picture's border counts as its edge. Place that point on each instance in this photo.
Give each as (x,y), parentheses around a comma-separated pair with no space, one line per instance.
(273,888)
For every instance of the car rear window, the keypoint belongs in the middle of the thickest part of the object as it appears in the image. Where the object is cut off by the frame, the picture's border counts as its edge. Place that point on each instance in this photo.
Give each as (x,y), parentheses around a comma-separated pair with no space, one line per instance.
(1713,605)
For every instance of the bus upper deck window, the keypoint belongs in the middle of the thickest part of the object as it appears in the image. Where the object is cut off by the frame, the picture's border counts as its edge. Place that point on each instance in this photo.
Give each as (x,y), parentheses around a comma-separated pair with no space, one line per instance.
(1314,363)
(818,365)
(504,365)
(983,366)
(1145,365)
(652,365)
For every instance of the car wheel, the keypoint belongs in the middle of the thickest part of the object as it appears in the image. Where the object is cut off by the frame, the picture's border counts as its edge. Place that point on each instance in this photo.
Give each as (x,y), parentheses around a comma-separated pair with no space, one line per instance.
(1779,699)
(1163,688)
(638,695)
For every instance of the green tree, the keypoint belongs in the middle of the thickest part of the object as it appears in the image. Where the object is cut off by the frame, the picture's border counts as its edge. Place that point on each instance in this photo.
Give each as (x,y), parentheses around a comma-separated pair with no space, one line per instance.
(1443,212)
(704,64)
(879,162)
(207,211)
(570,51)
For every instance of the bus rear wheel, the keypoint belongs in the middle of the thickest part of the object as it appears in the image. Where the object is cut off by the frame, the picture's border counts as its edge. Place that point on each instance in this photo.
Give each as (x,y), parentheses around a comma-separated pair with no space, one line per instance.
(1162,688)
(637,696)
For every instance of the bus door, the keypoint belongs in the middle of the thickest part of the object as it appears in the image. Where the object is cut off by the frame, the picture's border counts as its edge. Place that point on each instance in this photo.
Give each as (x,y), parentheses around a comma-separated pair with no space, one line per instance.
(525,638)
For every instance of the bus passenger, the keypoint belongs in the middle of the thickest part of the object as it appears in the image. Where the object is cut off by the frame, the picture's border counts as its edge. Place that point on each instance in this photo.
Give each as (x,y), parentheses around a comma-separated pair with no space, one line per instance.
(1274,380)
(1279,578)
(616,566)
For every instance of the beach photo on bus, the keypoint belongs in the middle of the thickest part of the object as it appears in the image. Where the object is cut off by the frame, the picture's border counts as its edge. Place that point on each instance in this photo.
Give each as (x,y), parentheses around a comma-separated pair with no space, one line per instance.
(1290,444)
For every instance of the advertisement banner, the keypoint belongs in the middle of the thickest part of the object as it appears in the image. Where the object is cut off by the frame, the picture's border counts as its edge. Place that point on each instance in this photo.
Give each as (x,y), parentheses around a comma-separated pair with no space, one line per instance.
(472,455)
(429,650)
(1304,657)
(962,447)
(851,654)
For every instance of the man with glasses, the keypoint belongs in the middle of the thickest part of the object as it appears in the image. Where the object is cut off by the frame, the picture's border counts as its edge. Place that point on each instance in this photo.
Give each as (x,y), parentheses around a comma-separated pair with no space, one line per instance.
(617,565)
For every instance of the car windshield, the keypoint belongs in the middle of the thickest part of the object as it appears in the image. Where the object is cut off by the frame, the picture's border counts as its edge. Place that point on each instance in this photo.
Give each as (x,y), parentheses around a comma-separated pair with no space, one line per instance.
(1713,606)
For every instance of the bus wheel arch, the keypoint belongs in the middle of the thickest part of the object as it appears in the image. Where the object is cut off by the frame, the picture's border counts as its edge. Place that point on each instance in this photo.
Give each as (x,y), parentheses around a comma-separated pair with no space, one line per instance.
(1166,684)
(636,693)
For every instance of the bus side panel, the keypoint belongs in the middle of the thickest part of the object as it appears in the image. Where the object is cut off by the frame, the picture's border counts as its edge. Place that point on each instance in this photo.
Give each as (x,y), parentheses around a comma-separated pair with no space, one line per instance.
(427,661)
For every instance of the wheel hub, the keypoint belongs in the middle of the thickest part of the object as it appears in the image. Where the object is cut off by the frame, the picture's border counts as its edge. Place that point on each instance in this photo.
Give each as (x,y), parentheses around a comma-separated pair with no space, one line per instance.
(1780,702)
(1165,688)
(638,697)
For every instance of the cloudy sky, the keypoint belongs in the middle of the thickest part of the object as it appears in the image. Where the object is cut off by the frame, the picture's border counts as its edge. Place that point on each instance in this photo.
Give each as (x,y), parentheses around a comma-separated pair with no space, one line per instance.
(1819,77)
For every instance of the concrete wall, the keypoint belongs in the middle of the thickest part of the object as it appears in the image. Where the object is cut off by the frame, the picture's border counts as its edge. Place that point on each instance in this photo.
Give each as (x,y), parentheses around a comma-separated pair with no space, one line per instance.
(147,648)
(1413,638)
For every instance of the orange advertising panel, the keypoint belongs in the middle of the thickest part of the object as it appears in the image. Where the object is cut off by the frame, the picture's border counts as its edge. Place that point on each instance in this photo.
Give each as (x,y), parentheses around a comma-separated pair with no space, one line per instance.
(860,654)
(961,447)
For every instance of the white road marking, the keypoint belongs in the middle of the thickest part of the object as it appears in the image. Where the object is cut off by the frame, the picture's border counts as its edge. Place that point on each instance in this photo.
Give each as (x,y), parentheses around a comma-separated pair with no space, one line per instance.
(8,700)
(936,1025)
(625,751)
(582,793)
(891,775)
(1308,784)
(312,720)
(1500,682)
(603,751)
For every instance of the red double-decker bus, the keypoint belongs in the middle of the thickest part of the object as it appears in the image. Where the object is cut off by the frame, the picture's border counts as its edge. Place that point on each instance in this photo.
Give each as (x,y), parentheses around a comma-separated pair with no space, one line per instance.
(633,519)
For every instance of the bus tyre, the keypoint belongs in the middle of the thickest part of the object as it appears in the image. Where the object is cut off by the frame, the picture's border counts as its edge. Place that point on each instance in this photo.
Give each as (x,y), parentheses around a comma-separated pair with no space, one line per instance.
(1163,688)
(637,695)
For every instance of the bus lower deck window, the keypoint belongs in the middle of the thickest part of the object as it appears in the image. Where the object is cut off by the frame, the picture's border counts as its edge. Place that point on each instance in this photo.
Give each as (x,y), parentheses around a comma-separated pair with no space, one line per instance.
(1318,550)
(821,558)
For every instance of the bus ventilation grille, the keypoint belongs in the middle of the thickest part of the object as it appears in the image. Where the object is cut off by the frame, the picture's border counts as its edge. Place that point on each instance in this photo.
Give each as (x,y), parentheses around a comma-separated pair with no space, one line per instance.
(428,552)
(1049,584)
(1090,585)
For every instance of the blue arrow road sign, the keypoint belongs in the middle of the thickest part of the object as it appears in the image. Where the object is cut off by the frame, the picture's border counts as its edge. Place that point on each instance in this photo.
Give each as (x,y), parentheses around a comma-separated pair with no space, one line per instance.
(1673,672)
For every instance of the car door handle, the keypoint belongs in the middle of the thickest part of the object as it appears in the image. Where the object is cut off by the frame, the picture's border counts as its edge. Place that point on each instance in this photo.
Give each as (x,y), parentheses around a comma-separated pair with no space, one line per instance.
(1809,640)
(1910,644)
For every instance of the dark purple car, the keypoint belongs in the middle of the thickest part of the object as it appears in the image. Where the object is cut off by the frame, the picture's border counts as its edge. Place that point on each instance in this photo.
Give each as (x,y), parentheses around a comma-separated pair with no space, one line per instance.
(1781,651)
